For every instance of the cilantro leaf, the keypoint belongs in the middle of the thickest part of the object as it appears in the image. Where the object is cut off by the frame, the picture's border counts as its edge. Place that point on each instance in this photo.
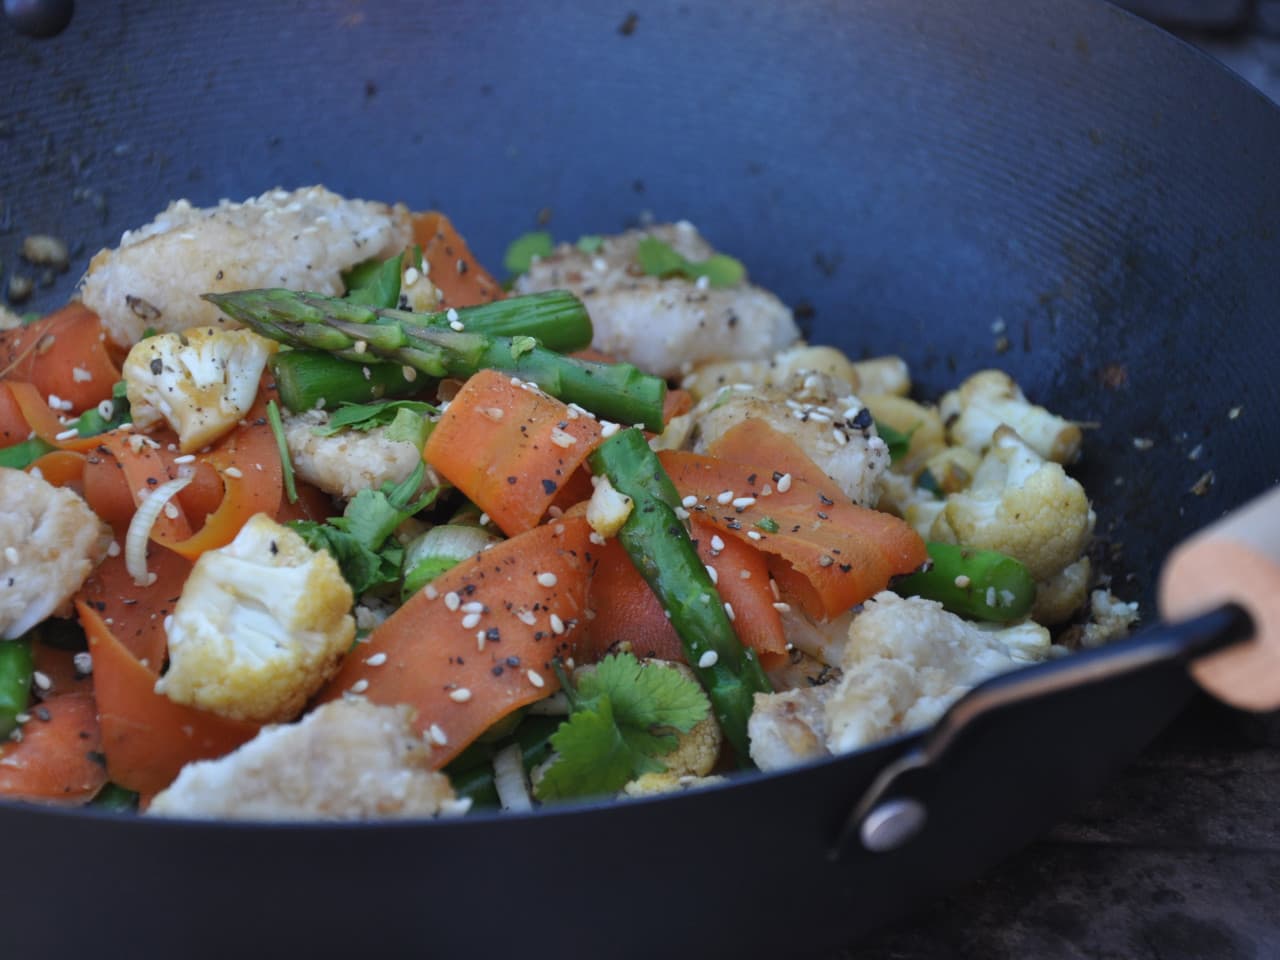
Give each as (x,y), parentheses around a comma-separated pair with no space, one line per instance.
(620,723)
(897,441)
(659,259)
(366,416)
(374,283)
(361,566)
(593,756)
(524,248)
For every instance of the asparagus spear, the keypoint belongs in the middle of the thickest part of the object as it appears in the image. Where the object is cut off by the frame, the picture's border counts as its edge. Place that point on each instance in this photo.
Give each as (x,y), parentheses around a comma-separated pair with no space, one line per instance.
(16,667)
(616,391)
(313,380)
(661,550)
(981,584)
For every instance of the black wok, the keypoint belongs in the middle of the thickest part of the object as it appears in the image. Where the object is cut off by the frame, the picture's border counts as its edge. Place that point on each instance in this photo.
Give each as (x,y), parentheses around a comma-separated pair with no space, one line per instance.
(908,174)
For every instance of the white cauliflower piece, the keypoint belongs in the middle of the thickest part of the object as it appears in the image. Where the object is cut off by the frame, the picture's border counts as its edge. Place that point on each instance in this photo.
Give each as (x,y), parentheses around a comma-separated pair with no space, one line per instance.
(789,728)
(346,760)
(1021,505)
(351,460)
(990,398)
(302,240)
(909,659)
(1109,619)
(1062,595)
(201,381)
(608,509)
(883,375)
(661,323)
(835,431)
(50,541)
(261,624)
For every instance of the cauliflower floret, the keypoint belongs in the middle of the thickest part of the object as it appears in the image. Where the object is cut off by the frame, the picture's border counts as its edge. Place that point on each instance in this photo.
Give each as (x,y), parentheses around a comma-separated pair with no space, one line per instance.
(417,293)
(659,323)
(908,660)
(49,542)
(990,398)
(883,375)
(345,760)
(1062,595)
(202,381)
(656,784)
(789,728)
(608,509)
(1021,505)
(832,429)
(261,625)
(302,240)
(1109,619)
(351,460)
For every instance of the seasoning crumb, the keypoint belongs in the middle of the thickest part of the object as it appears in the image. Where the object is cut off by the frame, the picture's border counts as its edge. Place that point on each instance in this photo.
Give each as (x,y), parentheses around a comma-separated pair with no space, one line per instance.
(1143,443)
(1201,486)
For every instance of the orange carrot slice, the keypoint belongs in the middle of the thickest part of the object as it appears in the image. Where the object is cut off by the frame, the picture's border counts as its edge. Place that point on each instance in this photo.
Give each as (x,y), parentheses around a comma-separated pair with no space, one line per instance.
(13,425)
(136,614)
(757,441)
(59,668)
(509,449)
(61,354)
(463,668)
(59,758)
(454,270)
(827,553)
(62,468)
(146,737)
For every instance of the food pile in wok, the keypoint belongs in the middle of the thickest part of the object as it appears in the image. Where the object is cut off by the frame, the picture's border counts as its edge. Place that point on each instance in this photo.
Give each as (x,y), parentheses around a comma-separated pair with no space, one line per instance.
(304,515)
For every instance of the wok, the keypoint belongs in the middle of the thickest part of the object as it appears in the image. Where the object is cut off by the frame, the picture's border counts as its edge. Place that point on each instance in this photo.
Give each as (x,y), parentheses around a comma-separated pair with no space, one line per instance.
(907,173)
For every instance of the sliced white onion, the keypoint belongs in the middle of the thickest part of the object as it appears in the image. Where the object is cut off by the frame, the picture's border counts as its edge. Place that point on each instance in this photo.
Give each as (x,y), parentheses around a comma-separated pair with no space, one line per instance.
(509,779)
(135,541)
(556,705)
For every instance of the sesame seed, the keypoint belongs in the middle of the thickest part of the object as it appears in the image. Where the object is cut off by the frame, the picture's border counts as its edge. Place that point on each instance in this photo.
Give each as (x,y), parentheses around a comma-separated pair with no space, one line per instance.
(562,439)
(724,497)
(472,606)
(555,513)
(728,610)
(481,636)
(1007,597)
(527,618)
(234,473)
(681,513)
(360,686)
(470,621)
(547,579)
(991,596)
(741,503)
(493,413)
(711,572)
(377,660)
(411,276)
(608,428)
(360,346)
(456,325)
(11,554)
(451,315)
(452,600)
(437,735)
(185,458)
(689,502)
(83,661)
(66,434)
(708,660)
(484,519)
(595,538)
(754,534)
(461,695)
(535,678)
(716,543)
(782,607)
(841,437)
(557,625)
(784,483)
(744,574)
(409,373)
(826,560)
(962,581)
(431,591)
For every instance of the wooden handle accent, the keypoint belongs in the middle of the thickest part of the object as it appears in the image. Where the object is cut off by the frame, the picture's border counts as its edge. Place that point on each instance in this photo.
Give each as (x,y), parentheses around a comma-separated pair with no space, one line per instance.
(1237,559)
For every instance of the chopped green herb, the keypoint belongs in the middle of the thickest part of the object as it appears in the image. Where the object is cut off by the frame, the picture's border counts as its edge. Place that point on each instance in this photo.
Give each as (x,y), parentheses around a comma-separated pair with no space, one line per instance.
(92,422)
(282,444)
(410,427)
(620,720)
(374,283)
(366,416)
(659,259)
(767,524)
(522,345)
(519,256)
(115,798)
(897,441)
(590,243)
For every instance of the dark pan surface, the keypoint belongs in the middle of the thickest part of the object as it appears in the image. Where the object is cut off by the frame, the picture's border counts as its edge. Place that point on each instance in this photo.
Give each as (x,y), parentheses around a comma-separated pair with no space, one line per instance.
(917,176)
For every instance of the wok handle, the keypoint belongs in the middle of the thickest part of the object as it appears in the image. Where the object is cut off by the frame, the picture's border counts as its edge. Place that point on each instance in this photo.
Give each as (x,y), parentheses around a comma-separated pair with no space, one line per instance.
(1237,560)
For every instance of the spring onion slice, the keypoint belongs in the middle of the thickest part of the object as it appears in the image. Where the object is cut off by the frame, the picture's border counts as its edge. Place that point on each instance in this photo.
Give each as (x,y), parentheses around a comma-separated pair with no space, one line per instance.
(144,518)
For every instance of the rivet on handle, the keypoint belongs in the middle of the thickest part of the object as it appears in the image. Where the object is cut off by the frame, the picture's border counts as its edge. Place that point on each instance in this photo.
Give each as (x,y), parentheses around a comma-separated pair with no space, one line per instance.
(39,18)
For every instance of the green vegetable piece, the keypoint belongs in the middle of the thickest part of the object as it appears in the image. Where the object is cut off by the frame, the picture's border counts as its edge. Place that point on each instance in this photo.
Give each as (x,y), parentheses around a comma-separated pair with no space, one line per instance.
(643,695)
(897,441)
(16,668)
(471,772)
(520,254)
(282,444)
(92,422)
(115,798)
(366,416)
(22,454)
(979,584)
(659,259)
(314,380)
(590,243)
(374,283)
(767,524)
(659,546)
(594,756)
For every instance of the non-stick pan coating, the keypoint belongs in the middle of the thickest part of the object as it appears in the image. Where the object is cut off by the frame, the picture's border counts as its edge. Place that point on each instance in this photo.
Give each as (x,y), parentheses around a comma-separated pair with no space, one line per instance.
(1045,185)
